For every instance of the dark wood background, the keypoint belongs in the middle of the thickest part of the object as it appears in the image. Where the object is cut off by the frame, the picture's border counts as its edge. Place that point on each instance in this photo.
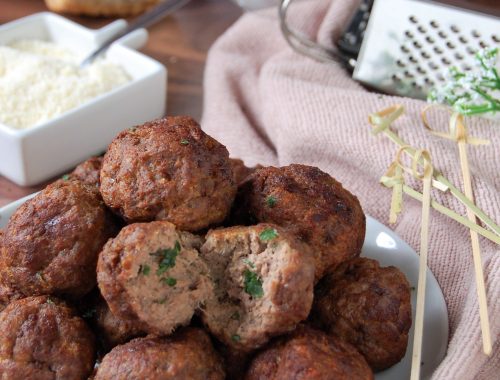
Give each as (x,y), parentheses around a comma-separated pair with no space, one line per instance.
(180,42)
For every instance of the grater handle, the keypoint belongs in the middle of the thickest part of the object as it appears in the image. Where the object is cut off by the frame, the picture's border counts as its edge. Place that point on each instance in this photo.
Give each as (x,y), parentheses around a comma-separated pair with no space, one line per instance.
(310,48)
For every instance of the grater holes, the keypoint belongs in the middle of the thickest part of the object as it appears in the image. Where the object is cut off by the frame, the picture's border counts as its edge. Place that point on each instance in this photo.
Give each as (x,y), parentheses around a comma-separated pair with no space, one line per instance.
(412,59)
(400,63)
(450,44)
(434,24)
(425,55)
(417,44)
(483,44)
(408,74)
(413,19)
(396,78)
(405,49)
(421,70)
(421,29)
(454,29)
(408,34)
(429,81)
(433,66)
(442,34)
(466,67)
(441,77)
(446,61)
(475,33)
(495,38)
(459,56)
(429,39)
(463,40)
(470,50)
(438,50)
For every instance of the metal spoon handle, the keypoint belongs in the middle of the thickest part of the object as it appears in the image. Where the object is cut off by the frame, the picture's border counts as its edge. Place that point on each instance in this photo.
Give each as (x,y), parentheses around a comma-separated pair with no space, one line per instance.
(154,15)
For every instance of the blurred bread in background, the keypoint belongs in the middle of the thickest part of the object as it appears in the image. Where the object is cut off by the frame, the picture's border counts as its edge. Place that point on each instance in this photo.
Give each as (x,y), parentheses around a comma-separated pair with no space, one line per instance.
(111,8)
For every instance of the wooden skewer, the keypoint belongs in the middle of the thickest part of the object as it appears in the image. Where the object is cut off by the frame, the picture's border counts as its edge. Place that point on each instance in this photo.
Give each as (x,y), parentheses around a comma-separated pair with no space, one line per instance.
(426,177)
(476,250)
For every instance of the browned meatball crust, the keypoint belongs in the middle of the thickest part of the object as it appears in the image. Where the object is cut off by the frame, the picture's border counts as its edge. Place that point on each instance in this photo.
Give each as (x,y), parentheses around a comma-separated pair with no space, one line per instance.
(369,307)
(151,273)
(43,339)
(111,329)
(89,171)
(52,241)
(263,284)
(240,170)
(308,354)
(186,355)
(312,205)
(168,169)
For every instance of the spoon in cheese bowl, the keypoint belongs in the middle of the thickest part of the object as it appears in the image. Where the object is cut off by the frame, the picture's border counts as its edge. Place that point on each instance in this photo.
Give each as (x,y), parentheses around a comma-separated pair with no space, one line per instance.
(156,14)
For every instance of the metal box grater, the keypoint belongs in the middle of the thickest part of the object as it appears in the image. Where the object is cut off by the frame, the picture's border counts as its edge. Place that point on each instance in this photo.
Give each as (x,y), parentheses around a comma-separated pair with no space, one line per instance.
(409,45)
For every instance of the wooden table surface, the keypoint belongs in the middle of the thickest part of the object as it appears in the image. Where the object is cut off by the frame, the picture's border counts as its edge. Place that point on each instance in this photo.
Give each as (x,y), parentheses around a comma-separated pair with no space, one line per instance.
(180,42)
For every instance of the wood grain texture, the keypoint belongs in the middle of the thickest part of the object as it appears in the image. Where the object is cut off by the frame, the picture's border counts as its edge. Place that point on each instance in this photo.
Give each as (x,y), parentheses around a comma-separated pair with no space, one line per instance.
(180,42)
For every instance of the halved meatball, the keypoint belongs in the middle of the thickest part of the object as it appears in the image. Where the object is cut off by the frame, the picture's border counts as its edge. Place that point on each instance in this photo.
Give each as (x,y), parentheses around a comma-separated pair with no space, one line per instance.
(52,241)
(43,339)
(368,306)
(311,204)
(263,284)
(307,354)
(151,273)
(186,355)
(89,171)
(168,169)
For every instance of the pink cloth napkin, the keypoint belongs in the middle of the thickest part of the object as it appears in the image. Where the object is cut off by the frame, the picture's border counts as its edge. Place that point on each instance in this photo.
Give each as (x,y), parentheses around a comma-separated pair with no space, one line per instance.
(272,106)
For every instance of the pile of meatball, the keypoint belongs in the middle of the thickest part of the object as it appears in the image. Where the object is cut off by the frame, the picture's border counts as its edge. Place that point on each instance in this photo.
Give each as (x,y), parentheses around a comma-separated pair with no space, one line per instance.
(166,259)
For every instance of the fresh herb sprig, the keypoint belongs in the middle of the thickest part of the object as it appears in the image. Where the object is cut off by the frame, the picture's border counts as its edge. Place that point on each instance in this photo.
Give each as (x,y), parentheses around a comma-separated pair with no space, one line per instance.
(167,258)
(472,93)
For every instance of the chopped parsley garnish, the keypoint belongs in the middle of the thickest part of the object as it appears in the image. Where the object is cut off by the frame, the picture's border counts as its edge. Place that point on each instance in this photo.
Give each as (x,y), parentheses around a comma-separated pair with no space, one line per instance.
(89,313)
(167,258)
(144,269)
(249,263)
(236,338)
(271,201)
(268,234)
(252,284)
(235,315)
(170,281)
(65,177)
(184,142)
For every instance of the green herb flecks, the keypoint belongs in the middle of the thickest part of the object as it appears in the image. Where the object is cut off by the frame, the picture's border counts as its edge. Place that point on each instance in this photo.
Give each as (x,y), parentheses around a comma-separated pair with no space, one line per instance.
(249,263)
(268,234)
(184,142)
(472,92)
(167,258)
(88,314)
(65,177)
(170,281)
(252,284)
(271,201)
(236,338)
(144,269)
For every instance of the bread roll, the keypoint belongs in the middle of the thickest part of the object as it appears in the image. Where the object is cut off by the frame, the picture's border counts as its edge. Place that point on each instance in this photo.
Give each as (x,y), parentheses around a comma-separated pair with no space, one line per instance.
(107,8)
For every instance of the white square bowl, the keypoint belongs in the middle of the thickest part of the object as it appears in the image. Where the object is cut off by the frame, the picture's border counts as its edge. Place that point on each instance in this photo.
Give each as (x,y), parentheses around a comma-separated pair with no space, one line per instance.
(35,154)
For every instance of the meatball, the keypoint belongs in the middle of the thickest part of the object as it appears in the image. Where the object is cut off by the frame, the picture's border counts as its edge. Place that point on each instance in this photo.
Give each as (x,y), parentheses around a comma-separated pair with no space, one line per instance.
(151,273)
(42,338)
(309,354)
(369,307)
(240,170)
(7,295)
(89,171)
(51,243)
(112,330)
(263,284)
(168,169)
(312,205)
(186,355)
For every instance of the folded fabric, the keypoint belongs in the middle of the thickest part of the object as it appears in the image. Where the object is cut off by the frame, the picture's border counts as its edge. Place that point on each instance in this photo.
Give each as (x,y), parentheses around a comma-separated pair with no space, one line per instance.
(272,106)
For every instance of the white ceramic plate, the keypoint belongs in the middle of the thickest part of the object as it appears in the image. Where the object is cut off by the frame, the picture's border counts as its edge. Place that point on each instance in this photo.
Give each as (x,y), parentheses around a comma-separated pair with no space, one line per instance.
(385,246)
